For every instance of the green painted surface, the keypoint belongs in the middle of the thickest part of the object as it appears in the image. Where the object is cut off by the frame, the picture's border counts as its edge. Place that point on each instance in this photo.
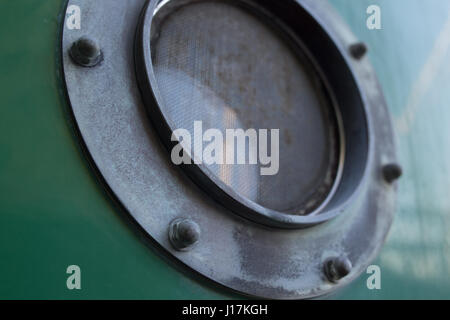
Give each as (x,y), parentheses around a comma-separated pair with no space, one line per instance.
(411,55)
(54,214)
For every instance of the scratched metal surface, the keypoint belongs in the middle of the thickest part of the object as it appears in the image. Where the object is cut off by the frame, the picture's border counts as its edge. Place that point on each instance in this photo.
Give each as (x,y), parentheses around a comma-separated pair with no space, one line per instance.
(53,213)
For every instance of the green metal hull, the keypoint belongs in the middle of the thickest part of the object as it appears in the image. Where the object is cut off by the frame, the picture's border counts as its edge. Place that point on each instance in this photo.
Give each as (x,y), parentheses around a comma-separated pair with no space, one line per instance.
(53,213)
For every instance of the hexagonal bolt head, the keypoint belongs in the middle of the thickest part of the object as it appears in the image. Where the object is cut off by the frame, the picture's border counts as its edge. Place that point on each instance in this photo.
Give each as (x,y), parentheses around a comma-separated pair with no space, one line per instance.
(358,50)
(184,234)
(86,52)
(392,172)
(337,268)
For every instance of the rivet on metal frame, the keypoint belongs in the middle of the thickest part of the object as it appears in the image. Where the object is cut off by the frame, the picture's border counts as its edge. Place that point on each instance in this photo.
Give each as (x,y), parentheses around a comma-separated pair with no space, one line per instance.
(86,52)
(184,234)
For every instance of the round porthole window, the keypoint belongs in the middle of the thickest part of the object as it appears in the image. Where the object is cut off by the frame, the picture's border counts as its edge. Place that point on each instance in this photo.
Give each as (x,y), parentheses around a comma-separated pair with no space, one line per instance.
(233,65)
(233,131)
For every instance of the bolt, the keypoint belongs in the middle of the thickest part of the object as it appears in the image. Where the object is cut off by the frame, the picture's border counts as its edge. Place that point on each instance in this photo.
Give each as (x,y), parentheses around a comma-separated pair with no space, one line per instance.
(337,268)
(358,50)
(183,234)
(86,52)
(392,172)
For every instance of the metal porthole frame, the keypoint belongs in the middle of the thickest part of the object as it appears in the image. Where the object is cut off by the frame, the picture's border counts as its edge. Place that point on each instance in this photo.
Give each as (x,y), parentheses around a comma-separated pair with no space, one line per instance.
(246,256)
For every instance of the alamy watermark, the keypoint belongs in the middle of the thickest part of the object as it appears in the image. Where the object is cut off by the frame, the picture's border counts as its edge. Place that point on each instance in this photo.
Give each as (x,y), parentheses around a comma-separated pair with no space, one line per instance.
(234,146)
(73,14)
(73,282)
(374,280)
(374,20)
